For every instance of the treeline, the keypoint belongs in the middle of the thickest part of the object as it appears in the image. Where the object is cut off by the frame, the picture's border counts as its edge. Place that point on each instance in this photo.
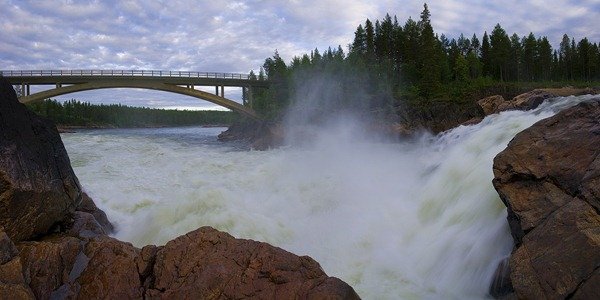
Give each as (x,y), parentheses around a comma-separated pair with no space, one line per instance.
(411,72)
(76,113)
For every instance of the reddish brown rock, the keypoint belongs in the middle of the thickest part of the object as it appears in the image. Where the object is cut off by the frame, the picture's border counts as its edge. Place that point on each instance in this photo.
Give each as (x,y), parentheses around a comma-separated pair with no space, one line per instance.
(530,100)
(526,101)
(490,104)
(208,264)
(549,179)
(111,272)
(203,264)
(12,281)
(48,264)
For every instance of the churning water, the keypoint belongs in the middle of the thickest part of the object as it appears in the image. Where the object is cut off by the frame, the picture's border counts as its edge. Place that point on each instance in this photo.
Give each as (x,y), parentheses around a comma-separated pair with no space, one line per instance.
(408,220)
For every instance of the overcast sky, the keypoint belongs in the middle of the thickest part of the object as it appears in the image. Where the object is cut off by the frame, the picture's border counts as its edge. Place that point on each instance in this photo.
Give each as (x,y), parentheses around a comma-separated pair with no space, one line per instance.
(236,36)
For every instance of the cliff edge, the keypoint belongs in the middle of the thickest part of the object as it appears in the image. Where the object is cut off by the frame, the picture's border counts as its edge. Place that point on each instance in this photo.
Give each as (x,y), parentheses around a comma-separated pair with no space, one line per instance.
(549,179)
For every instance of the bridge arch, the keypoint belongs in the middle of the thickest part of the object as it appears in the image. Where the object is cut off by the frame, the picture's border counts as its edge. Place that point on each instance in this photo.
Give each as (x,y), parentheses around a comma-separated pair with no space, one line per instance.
(62,90)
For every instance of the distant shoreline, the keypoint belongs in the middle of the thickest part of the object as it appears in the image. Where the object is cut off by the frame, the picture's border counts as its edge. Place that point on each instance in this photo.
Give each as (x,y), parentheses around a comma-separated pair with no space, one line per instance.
(74,128)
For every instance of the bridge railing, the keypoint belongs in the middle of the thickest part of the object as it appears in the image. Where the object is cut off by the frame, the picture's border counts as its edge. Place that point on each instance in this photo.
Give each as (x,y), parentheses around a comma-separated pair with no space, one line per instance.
(149,73)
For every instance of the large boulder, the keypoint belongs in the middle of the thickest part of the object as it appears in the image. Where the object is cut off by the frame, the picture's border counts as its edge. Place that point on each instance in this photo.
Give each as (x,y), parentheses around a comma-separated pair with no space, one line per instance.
(208,264)
(203,264)
(549,179)
(37,185)
(526,101)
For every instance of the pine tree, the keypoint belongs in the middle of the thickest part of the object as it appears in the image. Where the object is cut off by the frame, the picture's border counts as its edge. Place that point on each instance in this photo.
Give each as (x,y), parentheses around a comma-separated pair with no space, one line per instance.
(515,57)
(411,50)
(428,64)
(485,55)
(461,69)
(499,52)
(359,45)
(529,57)
(475,45)
(544,58)
(370,39)
(565,58)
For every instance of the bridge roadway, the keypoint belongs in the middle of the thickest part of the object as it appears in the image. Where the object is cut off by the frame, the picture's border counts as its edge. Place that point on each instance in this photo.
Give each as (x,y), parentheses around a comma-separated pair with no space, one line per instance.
(180,82)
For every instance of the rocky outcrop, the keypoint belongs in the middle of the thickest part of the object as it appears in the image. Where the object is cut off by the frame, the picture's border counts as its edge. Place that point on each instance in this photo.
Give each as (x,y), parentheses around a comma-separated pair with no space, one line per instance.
(259,136)
(549,179)
(37,185)
(207,263)
(530,100)
(203,264)
(490,104)
(54,243)
(526,101)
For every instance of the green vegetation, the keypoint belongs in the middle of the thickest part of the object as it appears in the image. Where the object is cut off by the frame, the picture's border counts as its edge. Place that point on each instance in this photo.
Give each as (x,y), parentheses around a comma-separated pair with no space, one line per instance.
(76,113)
(415,76)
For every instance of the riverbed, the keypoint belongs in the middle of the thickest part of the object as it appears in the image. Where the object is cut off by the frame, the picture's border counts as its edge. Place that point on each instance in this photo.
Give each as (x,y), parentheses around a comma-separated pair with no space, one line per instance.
(411,219)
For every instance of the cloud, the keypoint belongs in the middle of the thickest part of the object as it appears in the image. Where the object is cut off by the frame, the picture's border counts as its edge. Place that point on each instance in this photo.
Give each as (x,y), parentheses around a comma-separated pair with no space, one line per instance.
(236,36)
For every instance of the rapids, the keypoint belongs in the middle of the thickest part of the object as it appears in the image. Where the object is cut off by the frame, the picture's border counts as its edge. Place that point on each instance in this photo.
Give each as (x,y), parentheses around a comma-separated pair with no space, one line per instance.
(415,219)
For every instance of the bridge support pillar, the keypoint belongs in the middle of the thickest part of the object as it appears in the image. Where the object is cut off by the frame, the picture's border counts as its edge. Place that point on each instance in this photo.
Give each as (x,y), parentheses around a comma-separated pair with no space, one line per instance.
(25,89)
(222,94)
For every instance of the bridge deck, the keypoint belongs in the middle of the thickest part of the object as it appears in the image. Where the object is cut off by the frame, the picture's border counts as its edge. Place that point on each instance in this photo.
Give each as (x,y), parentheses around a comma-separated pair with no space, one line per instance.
(48,77)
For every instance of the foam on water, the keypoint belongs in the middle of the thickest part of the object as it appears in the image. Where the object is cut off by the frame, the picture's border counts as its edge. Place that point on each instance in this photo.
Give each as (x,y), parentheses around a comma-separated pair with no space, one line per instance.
(415,219)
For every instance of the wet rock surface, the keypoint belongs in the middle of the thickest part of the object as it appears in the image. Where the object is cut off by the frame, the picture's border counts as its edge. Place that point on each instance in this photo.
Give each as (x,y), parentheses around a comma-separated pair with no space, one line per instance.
(549,179)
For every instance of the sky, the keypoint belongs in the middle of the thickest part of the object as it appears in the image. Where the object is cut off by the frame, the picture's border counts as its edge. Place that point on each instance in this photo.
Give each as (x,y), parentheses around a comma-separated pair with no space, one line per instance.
(237,36)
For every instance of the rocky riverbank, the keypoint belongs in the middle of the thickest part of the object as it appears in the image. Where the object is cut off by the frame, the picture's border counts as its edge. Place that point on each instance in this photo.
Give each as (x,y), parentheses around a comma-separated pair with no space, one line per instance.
(54,242)
(549,179)
(263,136)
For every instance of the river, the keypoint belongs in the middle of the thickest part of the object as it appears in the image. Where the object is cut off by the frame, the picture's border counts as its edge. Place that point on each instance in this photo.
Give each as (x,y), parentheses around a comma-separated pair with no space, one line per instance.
(415,219)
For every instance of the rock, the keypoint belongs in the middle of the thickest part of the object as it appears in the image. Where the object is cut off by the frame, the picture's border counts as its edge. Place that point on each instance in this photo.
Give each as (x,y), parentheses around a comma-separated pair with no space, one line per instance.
(549,179)
(49,264)
(85,226)
(202,264)
(502,286)
(526,101)
(87,205)
(260,136)
(111,272)
(272,136)
(208,264)
(530,100)
(490,104)
(7,249)
(12,281)
(37,185)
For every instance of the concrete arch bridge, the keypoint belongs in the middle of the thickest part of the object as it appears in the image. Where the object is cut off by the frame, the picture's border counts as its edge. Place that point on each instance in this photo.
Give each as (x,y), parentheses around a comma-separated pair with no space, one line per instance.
(180,82)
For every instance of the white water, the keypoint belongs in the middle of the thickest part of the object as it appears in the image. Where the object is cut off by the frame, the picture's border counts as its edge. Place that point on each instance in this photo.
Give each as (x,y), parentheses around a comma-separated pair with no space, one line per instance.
(412,220)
